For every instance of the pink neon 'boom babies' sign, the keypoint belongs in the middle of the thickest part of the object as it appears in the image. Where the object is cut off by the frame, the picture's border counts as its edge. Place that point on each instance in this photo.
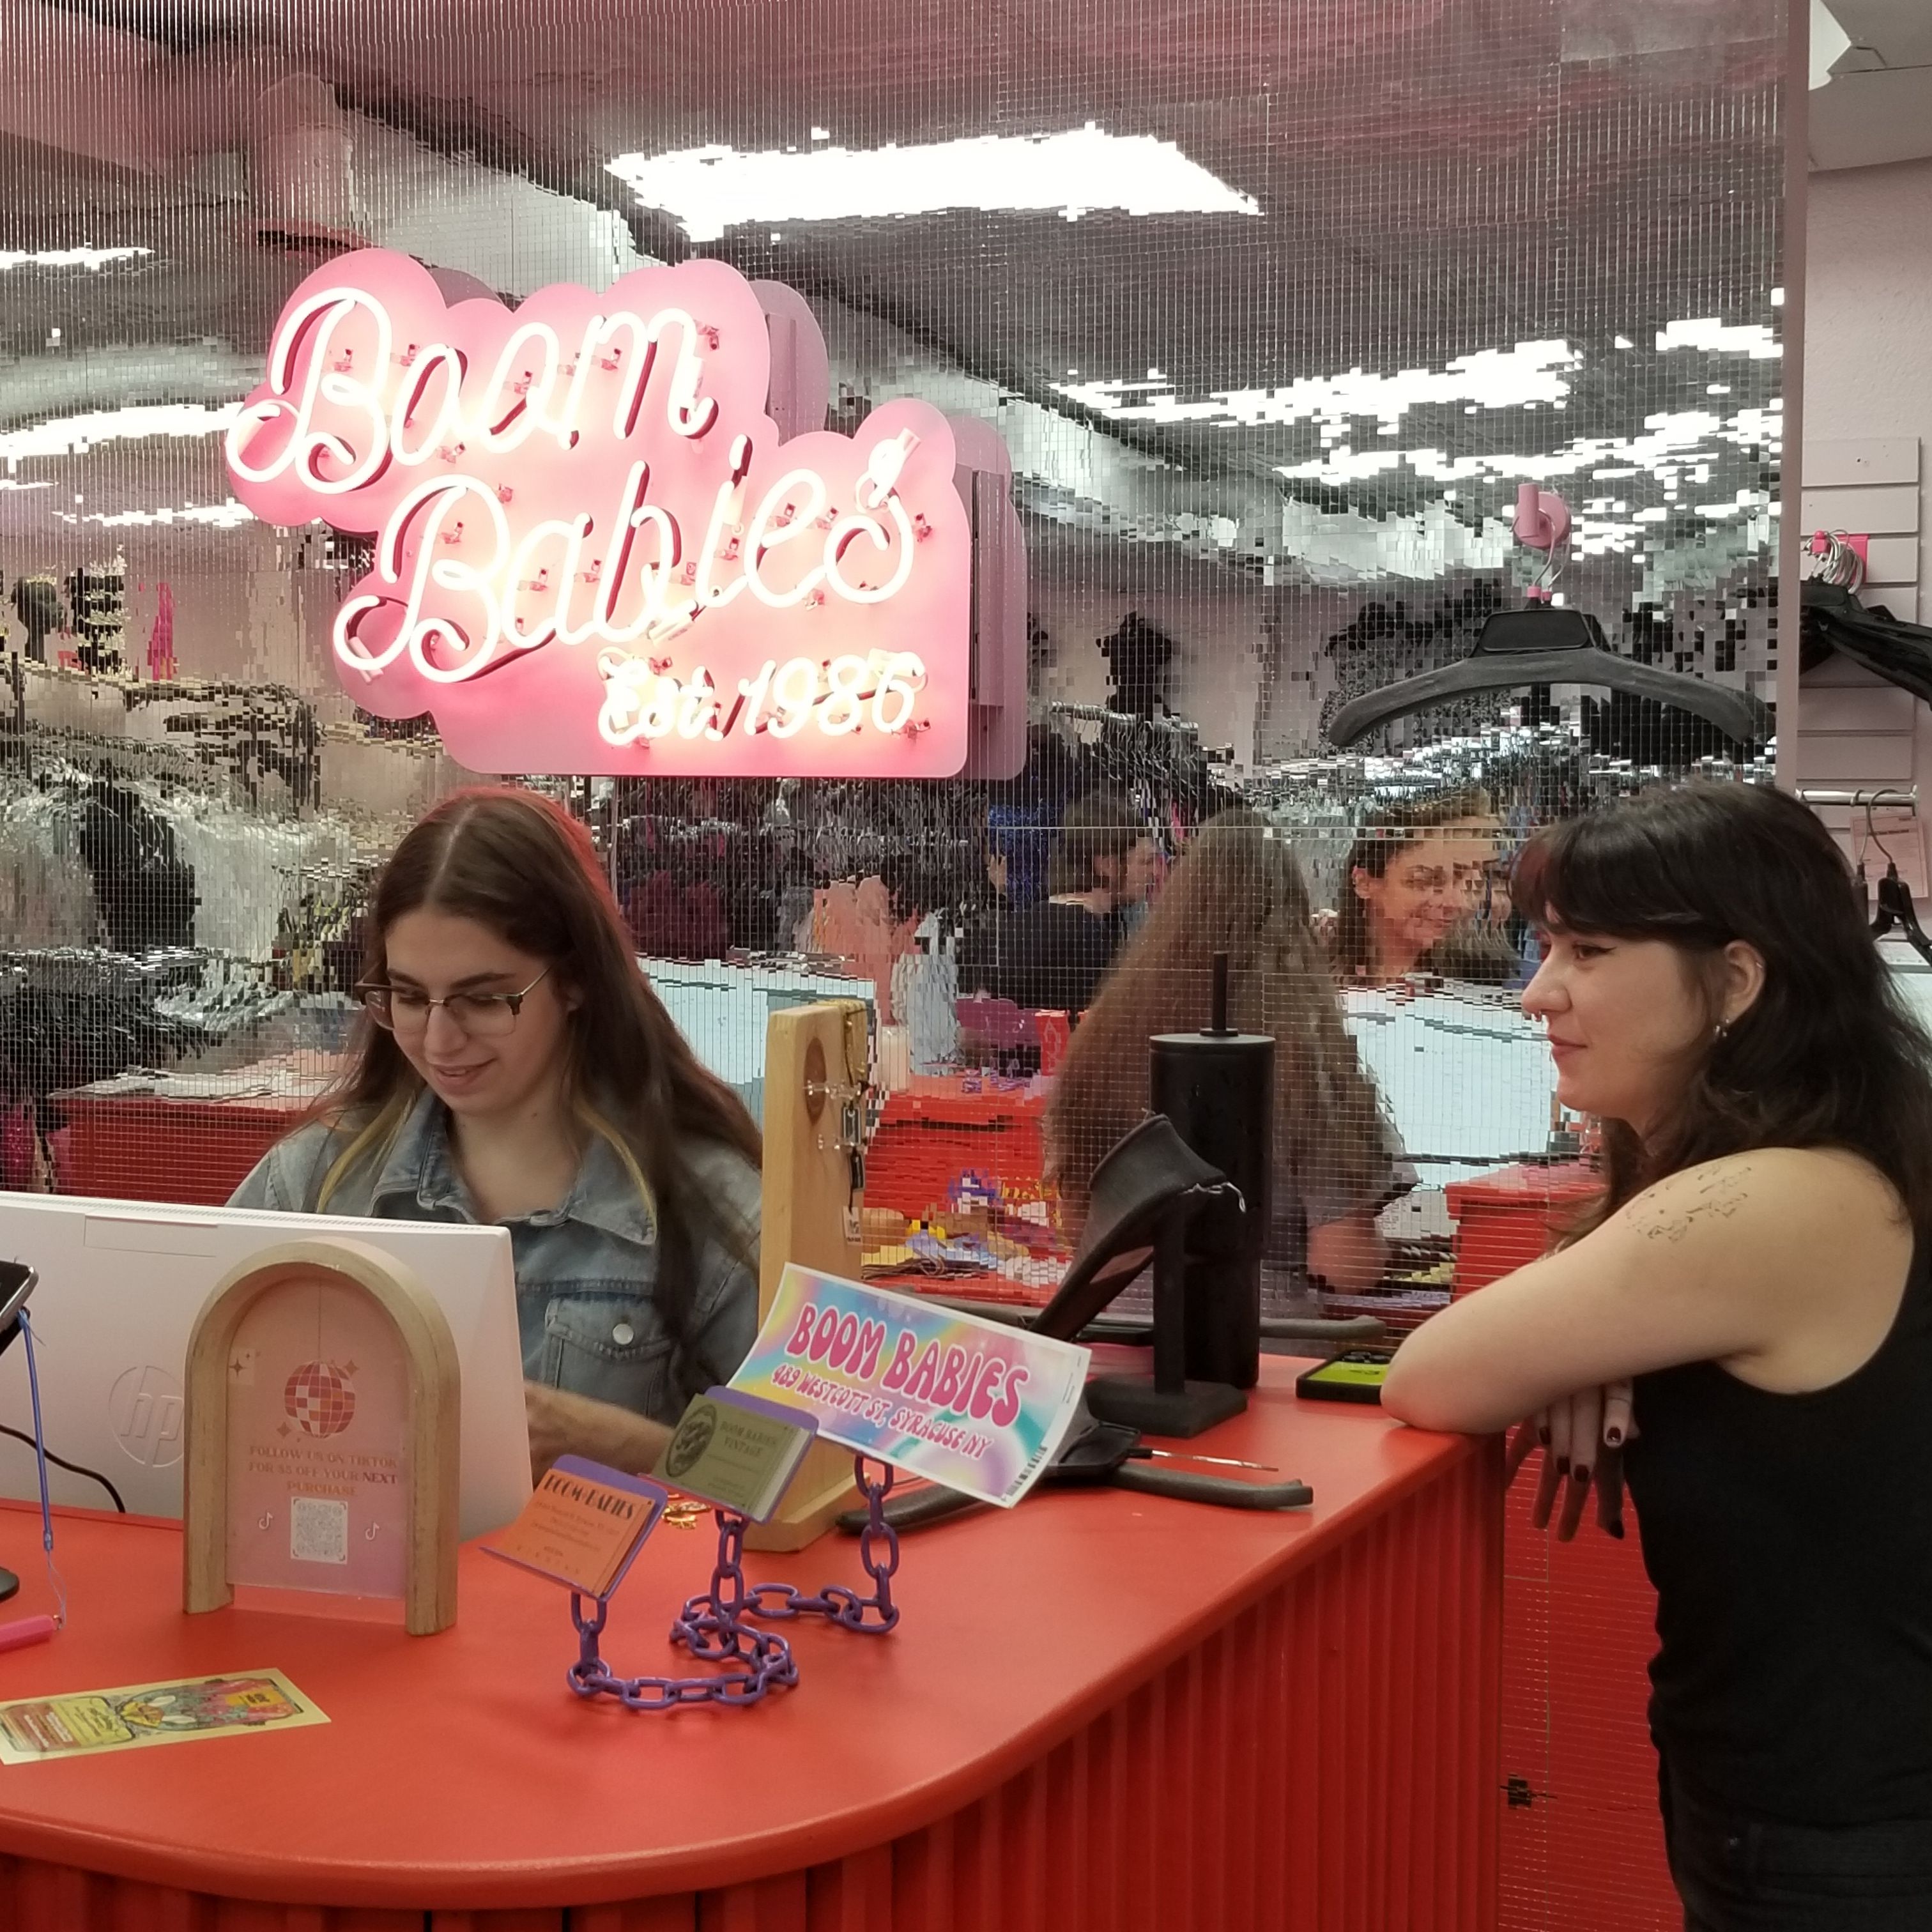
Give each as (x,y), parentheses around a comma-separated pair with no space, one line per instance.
(593,553)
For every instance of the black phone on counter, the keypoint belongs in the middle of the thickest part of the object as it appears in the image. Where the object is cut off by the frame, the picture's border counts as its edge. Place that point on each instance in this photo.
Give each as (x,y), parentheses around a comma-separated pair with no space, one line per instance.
(17,1281)
(1356,1377)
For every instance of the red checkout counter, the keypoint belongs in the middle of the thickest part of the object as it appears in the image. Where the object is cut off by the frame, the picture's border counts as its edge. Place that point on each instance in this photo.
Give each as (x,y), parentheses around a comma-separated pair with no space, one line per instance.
(195,1142)
(1101,1712)
(190,1142)
(1582,1843)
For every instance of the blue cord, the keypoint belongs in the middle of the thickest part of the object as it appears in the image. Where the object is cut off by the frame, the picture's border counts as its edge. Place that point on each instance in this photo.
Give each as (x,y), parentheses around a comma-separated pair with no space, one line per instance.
(41,1459)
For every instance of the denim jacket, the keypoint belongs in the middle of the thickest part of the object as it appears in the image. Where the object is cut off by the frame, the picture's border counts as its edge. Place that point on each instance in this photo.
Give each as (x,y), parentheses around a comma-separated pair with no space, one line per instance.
(586,1271)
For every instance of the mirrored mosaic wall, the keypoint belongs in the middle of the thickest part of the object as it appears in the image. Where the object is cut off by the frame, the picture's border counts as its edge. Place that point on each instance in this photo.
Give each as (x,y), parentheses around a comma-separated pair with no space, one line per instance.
(1276,308)
(1331,342)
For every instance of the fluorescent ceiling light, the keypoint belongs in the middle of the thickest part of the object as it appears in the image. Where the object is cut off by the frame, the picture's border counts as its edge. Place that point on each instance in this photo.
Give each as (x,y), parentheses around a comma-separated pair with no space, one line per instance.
(1495,379)
(1672,442)
(223,516)
(1722,338)
(709,190)
(66,258)
(71,436)
(1525,375)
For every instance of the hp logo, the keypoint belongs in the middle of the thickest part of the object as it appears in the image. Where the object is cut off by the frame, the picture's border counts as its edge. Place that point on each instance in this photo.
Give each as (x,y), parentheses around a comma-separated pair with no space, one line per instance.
(145,1410)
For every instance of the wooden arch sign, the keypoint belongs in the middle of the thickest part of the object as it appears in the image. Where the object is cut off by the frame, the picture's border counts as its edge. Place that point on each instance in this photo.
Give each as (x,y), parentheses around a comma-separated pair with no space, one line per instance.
(323,1399)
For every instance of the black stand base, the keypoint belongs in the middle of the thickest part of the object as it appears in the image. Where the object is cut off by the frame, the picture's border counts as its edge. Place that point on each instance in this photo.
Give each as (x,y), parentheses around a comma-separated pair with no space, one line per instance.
(10,1585)
(1135,1401)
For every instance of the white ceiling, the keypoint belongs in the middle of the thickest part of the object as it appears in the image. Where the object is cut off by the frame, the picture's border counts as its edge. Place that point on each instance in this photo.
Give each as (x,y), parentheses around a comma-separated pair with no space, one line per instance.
(1878,105)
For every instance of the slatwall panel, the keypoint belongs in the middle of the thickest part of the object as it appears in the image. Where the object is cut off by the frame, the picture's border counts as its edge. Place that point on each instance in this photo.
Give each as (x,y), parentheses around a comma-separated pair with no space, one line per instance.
(1868,487)
(1855,730)
(1325,1763)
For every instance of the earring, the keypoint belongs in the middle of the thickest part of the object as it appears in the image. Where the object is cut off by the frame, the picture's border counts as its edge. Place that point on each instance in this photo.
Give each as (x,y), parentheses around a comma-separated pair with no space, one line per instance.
(1721,1033)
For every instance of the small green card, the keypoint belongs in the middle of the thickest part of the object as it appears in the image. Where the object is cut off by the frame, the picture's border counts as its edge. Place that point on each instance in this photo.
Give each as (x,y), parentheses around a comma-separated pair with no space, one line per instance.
(737,1452)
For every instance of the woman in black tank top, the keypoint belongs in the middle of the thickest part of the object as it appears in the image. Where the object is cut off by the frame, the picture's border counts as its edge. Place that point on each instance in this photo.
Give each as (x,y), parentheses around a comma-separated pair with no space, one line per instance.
(1745,1320)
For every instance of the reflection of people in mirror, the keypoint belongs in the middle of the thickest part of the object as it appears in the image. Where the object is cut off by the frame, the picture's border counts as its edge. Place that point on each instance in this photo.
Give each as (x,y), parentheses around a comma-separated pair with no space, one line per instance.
(1412,892)
(1051,954)
(517,1069)
(1237,889)
(1504,941)
(1742,1323)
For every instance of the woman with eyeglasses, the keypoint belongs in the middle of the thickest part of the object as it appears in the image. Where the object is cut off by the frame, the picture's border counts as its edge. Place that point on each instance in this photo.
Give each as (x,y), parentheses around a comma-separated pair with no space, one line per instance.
(518,1071)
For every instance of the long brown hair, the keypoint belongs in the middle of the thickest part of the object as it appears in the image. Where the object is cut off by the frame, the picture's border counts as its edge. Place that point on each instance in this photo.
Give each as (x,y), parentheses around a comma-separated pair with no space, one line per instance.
(1237,889)
(1378,840)
(1828,1056)
(519,864)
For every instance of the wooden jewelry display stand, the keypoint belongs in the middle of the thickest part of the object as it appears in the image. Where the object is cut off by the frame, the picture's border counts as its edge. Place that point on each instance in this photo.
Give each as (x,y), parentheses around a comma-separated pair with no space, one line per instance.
(321,1425)
(816,1069)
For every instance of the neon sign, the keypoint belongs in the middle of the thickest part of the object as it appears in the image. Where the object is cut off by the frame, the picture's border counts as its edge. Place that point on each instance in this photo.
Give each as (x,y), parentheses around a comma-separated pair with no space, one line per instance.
(592,552)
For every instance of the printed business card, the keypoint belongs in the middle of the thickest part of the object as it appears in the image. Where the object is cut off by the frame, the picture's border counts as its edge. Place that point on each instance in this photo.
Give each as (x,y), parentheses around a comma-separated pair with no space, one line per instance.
(583,1526)
(737,1452)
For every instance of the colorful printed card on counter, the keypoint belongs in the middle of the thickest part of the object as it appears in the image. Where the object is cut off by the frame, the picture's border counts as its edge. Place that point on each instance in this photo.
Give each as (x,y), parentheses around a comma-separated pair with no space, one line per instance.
(736,1452)
(975,1404)
(583,1526)
(34,1730)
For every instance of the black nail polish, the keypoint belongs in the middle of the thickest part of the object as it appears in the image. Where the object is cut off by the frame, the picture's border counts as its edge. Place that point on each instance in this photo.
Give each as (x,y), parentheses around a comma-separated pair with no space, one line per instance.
(1614,1437)
(1580,1474)
(1616,1529)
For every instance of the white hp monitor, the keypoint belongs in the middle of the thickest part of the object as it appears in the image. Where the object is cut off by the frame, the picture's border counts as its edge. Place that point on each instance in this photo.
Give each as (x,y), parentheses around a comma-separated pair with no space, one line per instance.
(120,1284)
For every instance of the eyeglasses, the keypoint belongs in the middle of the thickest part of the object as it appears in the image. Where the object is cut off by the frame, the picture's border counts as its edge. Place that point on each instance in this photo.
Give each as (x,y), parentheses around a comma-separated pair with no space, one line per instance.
(406,1009)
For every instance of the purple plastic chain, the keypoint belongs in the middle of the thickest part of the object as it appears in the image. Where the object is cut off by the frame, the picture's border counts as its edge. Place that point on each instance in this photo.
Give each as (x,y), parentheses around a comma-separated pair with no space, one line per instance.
(870,1616)
(713,1627)
(759,1660)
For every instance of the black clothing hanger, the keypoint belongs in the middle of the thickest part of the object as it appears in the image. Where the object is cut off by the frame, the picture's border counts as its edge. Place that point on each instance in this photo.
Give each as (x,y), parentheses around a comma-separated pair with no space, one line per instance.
(1895,909)
(1545,644)
(1832,619)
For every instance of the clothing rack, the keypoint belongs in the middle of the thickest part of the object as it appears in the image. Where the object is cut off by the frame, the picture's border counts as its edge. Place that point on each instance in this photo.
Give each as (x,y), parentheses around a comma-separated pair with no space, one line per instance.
(666,826)
(1184,729)
(1876,798)
(1496,758)
(1098,714)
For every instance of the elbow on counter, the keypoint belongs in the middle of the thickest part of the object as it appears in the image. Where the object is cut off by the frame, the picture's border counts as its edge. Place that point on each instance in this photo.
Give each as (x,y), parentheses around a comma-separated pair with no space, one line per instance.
(1414,1393)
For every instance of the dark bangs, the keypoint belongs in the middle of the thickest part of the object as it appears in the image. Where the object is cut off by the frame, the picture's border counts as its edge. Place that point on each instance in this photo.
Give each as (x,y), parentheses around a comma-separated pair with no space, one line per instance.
(1610,872)
(1828,1055)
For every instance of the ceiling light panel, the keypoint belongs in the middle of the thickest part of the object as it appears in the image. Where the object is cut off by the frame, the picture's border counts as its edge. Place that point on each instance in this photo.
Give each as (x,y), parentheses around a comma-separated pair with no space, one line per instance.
(713,190)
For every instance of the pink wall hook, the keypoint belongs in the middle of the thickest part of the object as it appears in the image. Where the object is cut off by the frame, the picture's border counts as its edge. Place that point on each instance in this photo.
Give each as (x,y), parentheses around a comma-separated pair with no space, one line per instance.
(1542,517)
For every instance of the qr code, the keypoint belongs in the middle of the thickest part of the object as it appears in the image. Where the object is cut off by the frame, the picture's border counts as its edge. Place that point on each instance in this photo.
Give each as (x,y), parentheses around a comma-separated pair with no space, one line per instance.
(318,1530)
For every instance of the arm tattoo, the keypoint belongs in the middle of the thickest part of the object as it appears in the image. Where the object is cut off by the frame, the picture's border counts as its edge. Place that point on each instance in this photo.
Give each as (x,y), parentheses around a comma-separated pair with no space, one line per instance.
(1713,1196)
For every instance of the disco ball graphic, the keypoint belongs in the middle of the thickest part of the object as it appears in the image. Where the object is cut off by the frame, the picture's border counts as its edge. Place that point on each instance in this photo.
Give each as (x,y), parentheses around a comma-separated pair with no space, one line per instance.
(319,1399)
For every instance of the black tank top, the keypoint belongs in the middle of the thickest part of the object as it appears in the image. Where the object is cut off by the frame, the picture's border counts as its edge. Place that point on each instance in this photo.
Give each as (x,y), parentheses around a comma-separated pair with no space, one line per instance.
(1789,1537)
